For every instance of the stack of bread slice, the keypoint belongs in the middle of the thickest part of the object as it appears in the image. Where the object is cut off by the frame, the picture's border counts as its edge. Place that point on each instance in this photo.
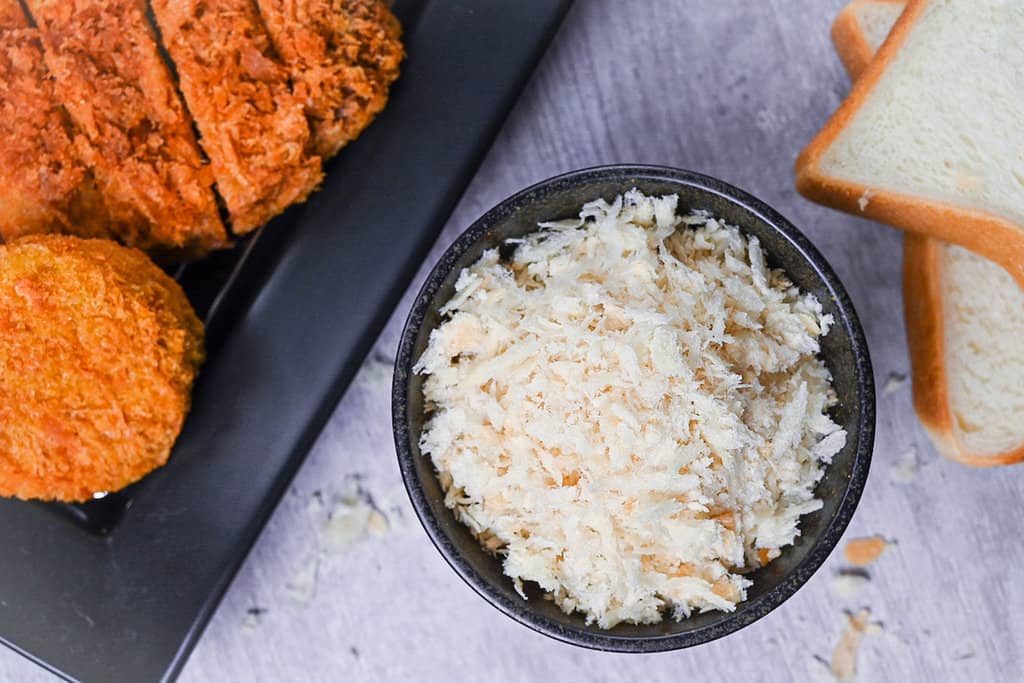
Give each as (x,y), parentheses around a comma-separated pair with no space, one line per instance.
(931,141)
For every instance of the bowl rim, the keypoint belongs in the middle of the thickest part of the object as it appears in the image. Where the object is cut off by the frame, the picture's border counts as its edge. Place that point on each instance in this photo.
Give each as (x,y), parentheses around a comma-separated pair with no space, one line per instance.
(753,609)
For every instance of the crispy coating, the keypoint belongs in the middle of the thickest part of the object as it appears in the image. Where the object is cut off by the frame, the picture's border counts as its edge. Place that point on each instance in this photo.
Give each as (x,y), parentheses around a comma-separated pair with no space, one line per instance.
(44,186)
(343,56)
(133,130)
(98,351)
(11,15)
(251,126)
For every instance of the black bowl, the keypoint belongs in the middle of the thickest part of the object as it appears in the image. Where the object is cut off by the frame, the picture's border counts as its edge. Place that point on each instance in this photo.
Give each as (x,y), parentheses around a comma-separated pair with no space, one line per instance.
(844,350)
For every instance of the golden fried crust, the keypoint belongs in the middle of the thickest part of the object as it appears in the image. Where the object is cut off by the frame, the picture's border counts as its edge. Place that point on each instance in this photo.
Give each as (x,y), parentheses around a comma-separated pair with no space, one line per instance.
(44,187)
(98,351)
(343,56)
(11,15)
(251,126)
(133,130)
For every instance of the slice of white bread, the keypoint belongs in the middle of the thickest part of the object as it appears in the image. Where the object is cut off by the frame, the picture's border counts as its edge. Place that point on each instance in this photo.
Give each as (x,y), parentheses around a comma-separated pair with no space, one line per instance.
(931,138)
(965,328)
(965,314)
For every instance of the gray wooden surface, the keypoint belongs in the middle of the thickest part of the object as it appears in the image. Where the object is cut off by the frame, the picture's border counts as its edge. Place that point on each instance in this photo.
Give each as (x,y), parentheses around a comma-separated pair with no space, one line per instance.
(729,88)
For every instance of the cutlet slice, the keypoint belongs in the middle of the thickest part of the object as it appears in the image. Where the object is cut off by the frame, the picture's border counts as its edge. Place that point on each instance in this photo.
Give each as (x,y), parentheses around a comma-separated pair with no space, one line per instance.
(252,127)
(44,186)
(133,130)
(343,56)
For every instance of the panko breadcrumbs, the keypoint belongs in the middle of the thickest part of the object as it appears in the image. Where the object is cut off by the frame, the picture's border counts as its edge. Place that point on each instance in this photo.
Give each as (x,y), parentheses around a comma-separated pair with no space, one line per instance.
(631,411)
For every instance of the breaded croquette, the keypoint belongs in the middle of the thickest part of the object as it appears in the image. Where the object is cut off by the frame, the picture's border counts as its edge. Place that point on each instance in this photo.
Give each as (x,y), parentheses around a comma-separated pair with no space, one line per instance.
(44,186)
(98,352)
(133,130)
(251,126)
(343,56)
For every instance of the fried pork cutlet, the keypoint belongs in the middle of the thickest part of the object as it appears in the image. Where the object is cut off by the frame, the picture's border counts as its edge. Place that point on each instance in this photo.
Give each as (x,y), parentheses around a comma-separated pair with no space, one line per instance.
(134,132)
(98,352)
(252,127)
(343,56)
(44,187)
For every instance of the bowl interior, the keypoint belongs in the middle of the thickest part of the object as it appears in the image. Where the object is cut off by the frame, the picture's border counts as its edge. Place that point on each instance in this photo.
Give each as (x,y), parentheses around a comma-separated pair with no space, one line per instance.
(843,349)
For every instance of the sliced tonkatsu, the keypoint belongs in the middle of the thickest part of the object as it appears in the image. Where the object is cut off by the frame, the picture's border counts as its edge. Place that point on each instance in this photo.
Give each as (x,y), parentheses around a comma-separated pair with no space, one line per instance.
(251,126)
(133,130)
(343,56)
(44,186)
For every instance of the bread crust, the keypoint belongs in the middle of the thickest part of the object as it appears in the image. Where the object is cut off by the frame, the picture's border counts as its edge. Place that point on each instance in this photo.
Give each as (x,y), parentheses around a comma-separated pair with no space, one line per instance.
(991,236)
(850,42)
(926,336)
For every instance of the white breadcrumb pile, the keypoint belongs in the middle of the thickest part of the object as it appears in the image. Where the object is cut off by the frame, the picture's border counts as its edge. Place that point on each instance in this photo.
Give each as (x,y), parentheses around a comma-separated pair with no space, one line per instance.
(631,411)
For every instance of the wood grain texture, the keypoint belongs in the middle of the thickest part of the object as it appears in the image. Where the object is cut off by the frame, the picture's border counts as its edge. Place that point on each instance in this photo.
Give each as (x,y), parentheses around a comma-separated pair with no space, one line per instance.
(729,88)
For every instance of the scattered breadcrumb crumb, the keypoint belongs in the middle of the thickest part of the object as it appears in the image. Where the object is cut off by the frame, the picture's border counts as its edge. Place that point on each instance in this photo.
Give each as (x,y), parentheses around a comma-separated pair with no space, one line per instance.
(965,651)
(904,470)
(302,587)
(863,551)
(894,383)
(847,584)
(253,617)
(315,504)
(865,199)
(844,657)
(377,524)
(351,518)
(347,524)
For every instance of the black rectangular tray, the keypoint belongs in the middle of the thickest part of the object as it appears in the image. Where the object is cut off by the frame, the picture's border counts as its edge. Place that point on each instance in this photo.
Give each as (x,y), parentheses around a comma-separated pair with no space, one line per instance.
(122,587)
